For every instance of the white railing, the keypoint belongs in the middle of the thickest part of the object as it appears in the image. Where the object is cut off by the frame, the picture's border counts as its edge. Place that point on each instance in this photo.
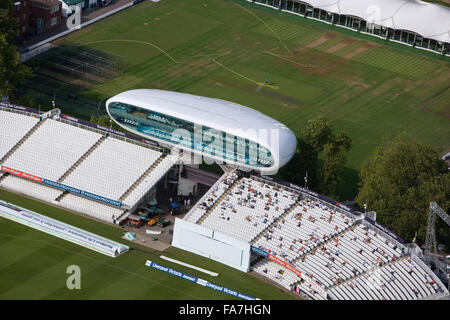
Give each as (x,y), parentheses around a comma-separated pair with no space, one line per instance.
(112,135)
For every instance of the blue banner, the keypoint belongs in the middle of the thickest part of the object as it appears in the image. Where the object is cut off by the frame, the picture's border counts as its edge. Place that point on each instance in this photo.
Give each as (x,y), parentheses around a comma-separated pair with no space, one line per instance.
(199,281)
(81,192)
(259,251)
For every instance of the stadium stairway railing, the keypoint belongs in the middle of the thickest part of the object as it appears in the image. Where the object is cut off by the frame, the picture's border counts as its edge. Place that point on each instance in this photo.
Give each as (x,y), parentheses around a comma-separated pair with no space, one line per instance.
(275,221)
(203,198)
(324,243)
(81,159)
(218,201)
(142,177)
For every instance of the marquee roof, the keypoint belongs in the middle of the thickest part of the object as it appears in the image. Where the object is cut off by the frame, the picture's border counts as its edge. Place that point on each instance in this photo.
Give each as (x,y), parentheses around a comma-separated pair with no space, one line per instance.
(426,19)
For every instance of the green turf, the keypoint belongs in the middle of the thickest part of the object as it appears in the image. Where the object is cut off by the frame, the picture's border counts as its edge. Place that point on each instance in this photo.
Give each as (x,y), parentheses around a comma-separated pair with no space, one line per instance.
(33,265)
(369,89)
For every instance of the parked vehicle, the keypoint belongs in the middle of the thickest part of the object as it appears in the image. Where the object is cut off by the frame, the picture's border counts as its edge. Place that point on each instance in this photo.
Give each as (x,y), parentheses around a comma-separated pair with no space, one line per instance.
(163,223)
(153,221)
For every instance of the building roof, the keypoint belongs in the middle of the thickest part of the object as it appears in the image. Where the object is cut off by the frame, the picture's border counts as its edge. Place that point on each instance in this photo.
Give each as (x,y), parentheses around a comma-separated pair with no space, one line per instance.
(426,19)
(44,3)
(215,113)
(71,2)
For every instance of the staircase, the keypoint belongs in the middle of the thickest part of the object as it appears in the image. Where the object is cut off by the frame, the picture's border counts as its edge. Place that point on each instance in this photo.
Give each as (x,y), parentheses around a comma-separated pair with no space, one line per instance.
(257,259)
(373,269)
(142,177)
(274,222)
(62,195)
(226,168)
(21,141)
(4,176)
(124,215)
(352,227)
(218,201)
(82,158)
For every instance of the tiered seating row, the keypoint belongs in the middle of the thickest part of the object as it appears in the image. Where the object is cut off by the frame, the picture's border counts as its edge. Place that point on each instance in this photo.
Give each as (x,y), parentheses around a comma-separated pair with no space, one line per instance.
(402,280)
(112,168)
(13,127)
(92,208)
(308,225)
(52,149)
(73,202)
(360,264)
(276,272)
(30,188)
(155,175)
(210,198)
(249,208)
(348,255)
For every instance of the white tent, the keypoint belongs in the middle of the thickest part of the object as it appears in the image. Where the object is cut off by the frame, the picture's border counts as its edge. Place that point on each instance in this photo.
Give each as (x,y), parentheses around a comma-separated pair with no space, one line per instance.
(426,19)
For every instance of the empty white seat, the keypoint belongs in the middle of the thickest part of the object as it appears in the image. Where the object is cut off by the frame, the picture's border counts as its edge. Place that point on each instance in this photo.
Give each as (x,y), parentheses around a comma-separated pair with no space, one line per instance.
(30,188)
(52,149)
(91,208)
(112,168)
(13,127)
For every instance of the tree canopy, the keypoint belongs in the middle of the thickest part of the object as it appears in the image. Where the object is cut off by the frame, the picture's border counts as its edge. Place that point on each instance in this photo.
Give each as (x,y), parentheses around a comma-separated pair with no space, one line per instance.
(12,72)
(399,181)
(318,137)
(105,121)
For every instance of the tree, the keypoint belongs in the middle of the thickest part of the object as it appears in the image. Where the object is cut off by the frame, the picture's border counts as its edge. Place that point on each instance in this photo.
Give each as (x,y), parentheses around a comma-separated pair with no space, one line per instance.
(105,121)
(8,26)
(12,72)
(317,138)
(304,161)
(399,181)
(335,154)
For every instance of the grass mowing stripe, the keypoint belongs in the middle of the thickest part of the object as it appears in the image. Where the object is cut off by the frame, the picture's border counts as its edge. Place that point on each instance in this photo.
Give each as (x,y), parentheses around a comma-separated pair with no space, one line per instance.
(393,61)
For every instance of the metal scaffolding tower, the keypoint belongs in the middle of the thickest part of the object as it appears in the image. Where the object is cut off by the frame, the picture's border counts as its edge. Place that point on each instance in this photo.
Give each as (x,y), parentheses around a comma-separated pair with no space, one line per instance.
(430,242)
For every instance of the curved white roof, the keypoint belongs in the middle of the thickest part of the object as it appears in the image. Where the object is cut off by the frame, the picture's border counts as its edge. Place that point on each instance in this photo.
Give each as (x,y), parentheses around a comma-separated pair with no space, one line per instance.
(427,19)
(217,114)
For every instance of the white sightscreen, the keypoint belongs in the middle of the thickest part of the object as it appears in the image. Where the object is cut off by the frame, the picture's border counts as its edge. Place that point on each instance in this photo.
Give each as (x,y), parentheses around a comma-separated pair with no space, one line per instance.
(211,244)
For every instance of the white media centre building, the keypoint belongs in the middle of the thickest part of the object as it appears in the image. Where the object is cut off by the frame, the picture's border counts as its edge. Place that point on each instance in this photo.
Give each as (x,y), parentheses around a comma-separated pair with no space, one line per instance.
(219,130)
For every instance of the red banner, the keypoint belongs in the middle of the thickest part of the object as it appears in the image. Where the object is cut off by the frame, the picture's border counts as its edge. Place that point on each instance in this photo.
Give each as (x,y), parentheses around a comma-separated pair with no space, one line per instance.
(21,174)
(277,260)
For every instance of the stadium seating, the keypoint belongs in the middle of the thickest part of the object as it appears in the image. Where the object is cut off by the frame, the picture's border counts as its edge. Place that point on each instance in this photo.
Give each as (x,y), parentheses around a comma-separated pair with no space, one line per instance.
(357,264)
(340,252)
(13,127)
(210,197)
(100,175)
(307,225)
(403,280)
(154,176)
(276,273)
(92,208)
(110,168)
(52,149)
(30,188)
(249,208)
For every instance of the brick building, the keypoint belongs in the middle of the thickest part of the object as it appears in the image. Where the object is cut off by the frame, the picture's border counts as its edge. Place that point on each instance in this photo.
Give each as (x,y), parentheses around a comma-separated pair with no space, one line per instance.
(21,12)
(45,15)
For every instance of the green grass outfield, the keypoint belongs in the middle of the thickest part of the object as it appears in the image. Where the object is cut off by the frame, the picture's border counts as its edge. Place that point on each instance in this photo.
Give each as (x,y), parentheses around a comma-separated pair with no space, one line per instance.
(226,48)
(33,265)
